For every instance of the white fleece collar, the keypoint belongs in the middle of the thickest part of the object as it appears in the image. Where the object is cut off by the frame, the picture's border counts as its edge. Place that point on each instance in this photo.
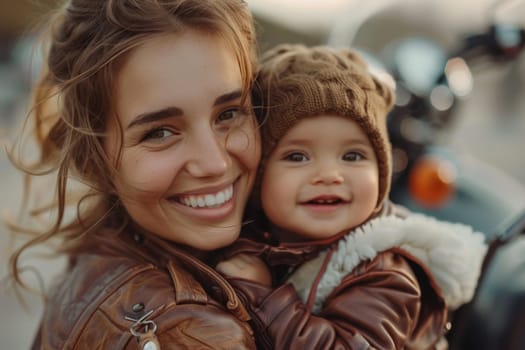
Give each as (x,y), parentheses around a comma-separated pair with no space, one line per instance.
(453,253)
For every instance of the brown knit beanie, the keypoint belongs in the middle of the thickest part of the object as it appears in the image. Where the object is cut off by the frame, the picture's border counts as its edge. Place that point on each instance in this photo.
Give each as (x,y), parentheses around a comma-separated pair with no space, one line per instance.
(296,82)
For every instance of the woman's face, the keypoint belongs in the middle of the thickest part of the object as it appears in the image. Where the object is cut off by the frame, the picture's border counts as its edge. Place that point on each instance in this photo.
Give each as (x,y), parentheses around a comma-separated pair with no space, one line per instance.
(190,149)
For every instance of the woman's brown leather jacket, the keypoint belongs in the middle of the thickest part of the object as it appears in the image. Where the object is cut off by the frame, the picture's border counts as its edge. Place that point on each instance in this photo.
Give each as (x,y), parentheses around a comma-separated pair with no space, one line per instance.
(150,289)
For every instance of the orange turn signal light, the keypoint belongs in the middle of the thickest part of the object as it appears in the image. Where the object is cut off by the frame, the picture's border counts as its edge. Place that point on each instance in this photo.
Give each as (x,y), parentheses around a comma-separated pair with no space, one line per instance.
(432,181)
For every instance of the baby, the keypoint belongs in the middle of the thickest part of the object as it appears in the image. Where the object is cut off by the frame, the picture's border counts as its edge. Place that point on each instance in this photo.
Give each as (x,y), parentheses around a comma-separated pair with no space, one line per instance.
(359,272)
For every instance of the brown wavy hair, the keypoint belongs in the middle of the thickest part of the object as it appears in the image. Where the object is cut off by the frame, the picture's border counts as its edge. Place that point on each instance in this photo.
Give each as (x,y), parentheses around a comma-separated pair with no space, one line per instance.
(85,41)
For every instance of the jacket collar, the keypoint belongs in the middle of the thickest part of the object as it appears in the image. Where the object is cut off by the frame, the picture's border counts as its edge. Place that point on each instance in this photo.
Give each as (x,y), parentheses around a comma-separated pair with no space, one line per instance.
(452,253)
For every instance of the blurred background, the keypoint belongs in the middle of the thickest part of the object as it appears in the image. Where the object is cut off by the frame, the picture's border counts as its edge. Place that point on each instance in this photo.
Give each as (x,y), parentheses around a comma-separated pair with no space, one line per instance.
(487,127)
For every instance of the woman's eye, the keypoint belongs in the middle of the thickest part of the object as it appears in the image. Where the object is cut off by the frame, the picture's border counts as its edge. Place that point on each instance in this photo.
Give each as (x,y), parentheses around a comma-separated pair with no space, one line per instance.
(227,115)
(353,156)
(296,157)
(157,135)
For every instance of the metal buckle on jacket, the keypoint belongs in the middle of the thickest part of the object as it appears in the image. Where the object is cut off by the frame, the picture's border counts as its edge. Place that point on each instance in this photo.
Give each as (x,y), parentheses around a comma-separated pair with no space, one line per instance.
(144,330)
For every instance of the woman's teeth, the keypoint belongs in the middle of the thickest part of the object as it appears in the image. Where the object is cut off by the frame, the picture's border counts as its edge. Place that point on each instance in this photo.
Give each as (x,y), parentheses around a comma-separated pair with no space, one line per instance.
(208,200)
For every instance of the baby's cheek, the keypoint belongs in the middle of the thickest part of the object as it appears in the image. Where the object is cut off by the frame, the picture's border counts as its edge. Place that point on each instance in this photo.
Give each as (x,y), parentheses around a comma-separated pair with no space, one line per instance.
(368,190)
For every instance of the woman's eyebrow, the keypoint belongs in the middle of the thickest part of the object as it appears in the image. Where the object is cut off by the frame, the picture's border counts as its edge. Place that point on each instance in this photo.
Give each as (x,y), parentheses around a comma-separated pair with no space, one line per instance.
(149,117)
(173,111)
(228,97)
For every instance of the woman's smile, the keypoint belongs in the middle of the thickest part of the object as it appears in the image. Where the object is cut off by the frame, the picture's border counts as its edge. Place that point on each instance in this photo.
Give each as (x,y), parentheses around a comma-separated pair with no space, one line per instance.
(210,200)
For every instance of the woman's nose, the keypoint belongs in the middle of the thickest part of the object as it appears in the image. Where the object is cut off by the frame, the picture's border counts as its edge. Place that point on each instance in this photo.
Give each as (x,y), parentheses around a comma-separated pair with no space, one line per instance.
(207,156)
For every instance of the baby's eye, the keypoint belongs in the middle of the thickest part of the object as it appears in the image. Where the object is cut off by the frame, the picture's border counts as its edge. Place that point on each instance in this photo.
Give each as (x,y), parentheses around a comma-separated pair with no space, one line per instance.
(296,157)
(157,135)
(353,156)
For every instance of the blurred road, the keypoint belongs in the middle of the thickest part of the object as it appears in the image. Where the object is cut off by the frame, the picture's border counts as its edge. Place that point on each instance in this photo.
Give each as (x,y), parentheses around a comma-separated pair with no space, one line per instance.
(17,331)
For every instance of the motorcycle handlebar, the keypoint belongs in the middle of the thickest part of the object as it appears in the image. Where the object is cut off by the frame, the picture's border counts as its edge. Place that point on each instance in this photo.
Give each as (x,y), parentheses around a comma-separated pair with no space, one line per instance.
(499,42)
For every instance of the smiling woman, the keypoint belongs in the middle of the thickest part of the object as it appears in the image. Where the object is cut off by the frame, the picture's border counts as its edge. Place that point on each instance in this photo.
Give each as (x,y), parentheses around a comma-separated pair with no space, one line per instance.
(185,140)
(154,117)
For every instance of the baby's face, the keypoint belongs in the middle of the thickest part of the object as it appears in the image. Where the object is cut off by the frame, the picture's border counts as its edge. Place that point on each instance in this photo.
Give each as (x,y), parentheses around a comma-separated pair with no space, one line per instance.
(322,178)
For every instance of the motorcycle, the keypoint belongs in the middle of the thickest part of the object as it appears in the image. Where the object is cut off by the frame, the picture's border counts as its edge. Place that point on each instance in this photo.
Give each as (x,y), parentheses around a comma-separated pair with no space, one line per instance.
(432,178)
(428,175)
